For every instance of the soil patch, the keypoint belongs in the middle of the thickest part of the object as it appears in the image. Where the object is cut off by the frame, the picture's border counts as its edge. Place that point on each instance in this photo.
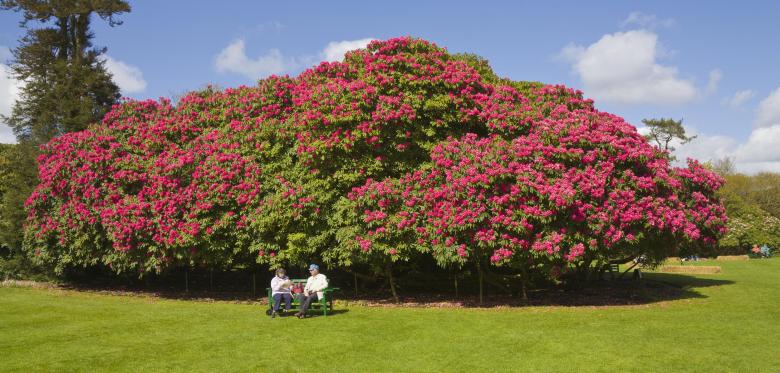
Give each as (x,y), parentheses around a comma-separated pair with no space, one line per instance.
(732,257)
(689,269)
(26,284)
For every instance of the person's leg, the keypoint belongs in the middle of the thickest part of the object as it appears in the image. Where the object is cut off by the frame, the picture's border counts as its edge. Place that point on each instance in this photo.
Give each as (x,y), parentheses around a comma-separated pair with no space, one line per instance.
(307,302)
(288,301)
(277,298)
(304,305)
(300,299)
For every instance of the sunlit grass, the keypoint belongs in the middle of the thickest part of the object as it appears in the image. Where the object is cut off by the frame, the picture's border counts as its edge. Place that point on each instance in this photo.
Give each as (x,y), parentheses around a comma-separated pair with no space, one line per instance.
(732,324)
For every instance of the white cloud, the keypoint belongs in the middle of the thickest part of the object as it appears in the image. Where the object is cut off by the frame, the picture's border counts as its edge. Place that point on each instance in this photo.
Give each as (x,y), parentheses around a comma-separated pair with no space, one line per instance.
(335,50)
(9,92)
(233,58)
(769,110)
(704,147)
(646,21)
(739,98)
(712,84)
(129,78)
(759,153)
(622,68)
(762,146)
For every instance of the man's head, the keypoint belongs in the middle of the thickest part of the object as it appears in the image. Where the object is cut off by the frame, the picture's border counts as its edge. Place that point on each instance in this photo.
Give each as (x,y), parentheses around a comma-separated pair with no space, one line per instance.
(280,272)
(314,269)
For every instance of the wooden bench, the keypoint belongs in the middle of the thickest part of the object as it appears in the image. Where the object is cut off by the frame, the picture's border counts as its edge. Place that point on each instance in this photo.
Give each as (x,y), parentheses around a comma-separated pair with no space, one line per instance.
(325,304)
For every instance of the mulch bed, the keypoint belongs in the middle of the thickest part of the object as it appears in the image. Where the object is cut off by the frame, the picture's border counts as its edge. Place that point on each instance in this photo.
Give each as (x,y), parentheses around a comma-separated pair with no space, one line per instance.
(732,257)
(26,284)
(689,269)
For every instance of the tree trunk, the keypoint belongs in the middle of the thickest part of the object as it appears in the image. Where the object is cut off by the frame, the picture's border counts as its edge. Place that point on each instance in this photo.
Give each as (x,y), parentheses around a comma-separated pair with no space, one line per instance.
(62,23)
(523,282)
(479,270)
(586,274)
(456,285)
(356,284)
(389,273)
(600,268)
(187,280)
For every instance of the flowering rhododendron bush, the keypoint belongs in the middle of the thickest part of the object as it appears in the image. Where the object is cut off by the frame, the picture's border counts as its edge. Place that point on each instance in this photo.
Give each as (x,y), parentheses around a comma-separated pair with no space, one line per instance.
(400,151)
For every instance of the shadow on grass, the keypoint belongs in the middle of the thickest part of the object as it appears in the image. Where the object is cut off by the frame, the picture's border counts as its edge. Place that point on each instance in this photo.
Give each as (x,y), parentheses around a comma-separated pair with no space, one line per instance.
(335,312)
(684,281)
(195,296)
(313,313)
(656,287)
(240,297)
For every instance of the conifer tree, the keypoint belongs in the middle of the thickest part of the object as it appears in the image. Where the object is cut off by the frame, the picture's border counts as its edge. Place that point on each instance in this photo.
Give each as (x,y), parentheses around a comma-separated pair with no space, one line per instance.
(65,88)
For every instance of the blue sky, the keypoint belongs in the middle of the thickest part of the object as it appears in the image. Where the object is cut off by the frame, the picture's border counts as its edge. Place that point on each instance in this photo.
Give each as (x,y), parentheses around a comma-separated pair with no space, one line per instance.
(715,66)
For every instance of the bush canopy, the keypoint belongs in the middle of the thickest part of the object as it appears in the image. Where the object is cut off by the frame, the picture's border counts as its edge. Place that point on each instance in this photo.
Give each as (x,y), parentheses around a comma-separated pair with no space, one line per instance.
(400,151)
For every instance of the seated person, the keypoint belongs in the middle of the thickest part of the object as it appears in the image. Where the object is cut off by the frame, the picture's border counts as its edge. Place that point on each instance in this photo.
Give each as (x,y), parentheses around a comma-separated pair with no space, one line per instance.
(766,252)
(280,291)
(315,284)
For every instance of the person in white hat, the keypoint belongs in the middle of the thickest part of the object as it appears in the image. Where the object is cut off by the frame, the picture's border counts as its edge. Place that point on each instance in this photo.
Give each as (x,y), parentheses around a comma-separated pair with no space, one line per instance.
(315,284)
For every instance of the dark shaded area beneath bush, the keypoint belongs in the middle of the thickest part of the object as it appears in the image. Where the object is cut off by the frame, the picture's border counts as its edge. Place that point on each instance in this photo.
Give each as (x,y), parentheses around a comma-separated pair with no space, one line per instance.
(430,288)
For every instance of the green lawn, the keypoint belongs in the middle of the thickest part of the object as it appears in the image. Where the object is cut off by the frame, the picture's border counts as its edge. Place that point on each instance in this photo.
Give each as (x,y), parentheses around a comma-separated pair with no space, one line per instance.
(730,325)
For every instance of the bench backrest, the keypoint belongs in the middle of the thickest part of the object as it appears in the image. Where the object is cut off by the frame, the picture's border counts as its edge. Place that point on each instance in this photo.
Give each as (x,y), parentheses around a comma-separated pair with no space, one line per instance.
(302,281)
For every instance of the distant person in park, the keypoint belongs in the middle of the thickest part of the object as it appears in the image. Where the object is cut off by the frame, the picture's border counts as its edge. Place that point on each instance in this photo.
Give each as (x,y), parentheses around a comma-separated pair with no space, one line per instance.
(765,251)
(280,291)
(315,284)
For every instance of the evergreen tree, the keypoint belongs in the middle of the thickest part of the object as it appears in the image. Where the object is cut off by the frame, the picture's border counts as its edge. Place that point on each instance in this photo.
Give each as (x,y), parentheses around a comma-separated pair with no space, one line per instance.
(5,162)
(66,88)
(663,131)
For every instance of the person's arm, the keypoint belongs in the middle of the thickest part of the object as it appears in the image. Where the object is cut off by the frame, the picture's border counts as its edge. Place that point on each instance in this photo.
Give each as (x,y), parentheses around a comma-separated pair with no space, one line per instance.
(309,284)
(275,284)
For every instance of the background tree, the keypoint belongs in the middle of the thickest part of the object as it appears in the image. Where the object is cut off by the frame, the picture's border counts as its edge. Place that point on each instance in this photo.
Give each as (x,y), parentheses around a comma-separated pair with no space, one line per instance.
(5,162)
(4,173)
(67,87)
(765,191)
(663,131)
(753,206)
(748,225)
(724,166)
